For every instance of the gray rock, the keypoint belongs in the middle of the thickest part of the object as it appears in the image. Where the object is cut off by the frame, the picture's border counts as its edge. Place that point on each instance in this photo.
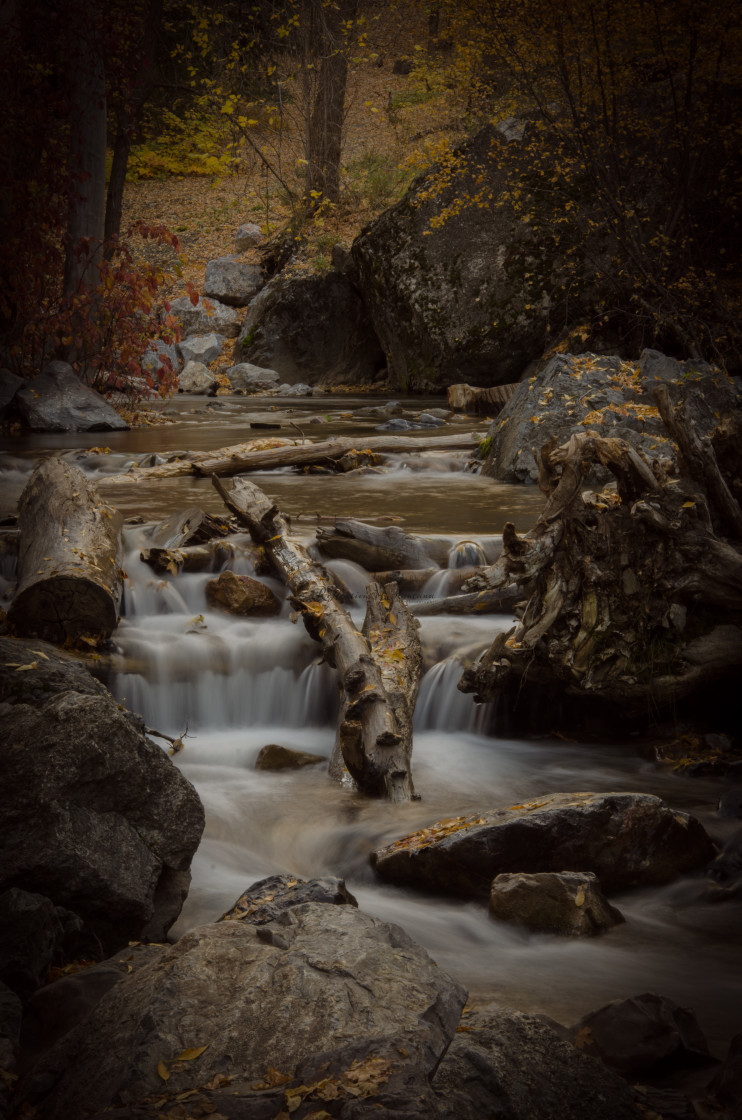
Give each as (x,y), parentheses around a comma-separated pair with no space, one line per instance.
(207,315)
(247,236)
(568,903)
(430,420)
(399,424)
(10,383)
(626,839)
(730,803)
(310,328)
(265,900)
(602,396)
(466,300)
(514,1066)
(640,1033)
(318,985)
(301,389)
(57,401)
(95,817)
(33,932)
(158,349)
(725,1087)
(275,757)
(202,348)
(249,377)
(232,282)
(196,378)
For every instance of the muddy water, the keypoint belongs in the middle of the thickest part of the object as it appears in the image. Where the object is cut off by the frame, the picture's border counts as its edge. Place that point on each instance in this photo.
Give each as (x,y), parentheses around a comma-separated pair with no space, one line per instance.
(241,684)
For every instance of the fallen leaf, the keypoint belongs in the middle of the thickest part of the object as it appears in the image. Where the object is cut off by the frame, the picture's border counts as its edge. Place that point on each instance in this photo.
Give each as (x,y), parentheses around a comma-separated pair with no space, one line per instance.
(163,1071)
(192,1052)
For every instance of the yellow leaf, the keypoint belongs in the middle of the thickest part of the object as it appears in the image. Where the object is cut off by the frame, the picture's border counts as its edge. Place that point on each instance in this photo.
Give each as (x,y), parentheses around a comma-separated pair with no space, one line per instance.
(193,1052)
(688,505)
(580,897)
(163,1071)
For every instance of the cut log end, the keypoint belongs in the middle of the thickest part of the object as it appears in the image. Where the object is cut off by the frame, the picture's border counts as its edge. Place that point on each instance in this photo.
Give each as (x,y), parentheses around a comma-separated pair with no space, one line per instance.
(64,609)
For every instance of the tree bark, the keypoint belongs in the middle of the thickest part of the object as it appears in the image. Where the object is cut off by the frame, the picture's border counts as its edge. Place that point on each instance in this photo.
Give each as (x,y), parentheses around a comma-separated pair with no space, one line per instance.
(232,461)
(485,402)
(374,735)
(69,579)
(326,34)
(375,547)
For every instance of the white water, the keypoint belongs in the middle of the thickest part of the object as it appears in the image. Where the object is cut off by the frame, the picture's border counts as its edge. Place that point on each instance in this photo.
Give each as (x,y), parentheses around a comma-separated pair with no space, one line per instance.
(240,684)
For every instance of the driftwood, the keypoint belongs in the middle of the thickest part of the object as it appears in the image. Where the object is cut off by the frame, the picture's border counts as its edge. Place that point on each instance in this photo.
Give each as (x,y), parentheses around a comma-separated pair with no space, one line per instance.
(485,402)
(378,673)
(188,527)
(411,581)
(475,602)
(633,595)
(196,558)
(376,547)
(69,579)
(230,462)
(182,463)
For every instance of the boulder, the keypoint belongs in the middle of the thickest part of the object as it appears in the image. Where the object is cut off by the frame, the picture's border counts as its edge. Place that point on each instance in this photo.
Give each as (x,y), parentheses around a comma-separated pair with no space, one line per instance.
(247,236)
(725,1087)
(156,351)
(205,316)
(34,934)
(11,1014)
(726,868)
(631,1035)
(301,389)
(10,383)
(197,379)
(202,348)
(265,900)
(311,328)
(604,396)
(506,1064)
(241,595)
(250,378)
(232,282)
(626,839)
(569,903)
(730,803)
(274,757)
(57,401)
(95,816)
(455,292)
(323,993)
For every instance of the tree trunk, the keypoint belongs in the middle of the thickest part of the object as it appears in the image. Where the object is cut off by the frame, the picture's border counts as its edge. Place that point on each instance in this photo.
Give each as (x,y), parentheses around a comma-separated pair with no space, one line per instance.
(69,580)
(485,402)
(375,547)
(326,28)
(231,461)
(378,673)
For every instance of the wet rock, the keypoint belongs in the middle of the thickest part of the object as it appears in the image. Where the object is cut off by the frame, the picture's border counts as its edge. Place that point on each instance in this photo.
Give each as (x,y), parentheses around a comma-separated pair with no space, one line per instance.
(265,900)
(301,389)
(730,803)
(626,839)
(250,378)
(631,1035)
(247,236)
(206,316)
(95,817)
(569,903)
(233,282)
(10,383)
(57,401)
(451,303)
(724,1091)
(11,1014)
(196,378)
(726,868)
(34,933)
(241,595)
(399,424)
(274,757)
(319,984)
(505,1064)
(430,420)
(310,328)
(603,396)
(202,348)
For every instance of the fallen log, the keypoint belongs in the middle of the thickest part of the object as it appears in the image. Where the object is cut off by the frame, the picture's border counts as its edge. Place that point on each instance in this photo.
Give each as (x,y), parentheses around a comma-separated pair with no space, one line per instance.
(188,527)
(411,581)
(195,558)
(378,673)
(633,596)
(69,579)
(182,462)
(484,402)
(475,602)
(378,547)
(231,462)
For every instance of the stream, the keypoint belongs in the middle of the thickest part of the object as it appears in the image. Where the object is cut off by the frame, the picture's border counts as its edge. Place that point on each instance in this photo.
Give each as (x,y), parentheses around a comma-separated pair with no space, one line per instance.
(240,684)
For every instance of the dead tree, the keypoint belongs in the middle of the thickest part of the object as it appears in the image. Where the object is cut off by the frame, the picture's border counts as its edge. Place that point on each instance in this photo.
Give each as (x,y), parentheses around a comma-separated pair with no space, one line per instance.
(634,596)
(378,670)
(69,579)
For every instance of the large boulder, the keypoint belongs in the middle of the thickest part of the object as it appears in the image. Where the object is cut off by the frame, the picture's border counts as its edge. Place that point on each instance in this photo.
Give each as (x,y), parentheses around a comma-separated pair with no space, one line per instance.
(514,1066)
(232,282)
(456,291)
(205,316)
(156,351)
(568,903)
(196,378)
(34,934)
(320,989)
(311,328)
(602,396)
(95,816)
(10,383)
(249,378)
(247,236)
(626,839)
(57,401)
(267,899)
(202,348)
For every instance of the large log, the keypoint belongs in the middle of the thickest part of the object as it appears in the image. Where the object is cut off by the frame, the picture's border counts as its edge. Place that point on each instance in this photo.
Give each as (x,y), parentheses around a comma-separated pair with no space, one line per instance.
(485,402)
(231,462)
(375,732)
(69,579)
(376,547)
